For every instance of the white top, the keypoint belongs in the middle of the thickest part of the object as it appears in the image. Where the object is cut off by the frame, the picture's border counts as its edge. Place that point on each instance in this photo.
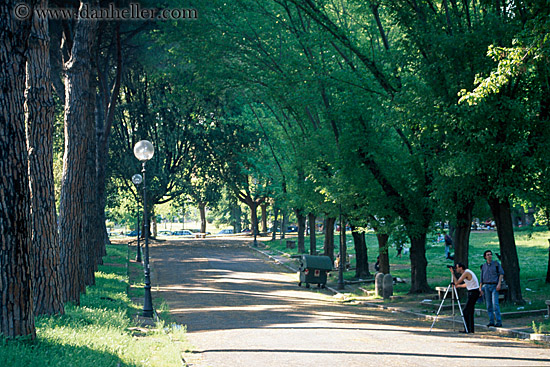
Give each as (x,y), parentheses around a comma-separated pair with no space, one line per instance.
(471,284)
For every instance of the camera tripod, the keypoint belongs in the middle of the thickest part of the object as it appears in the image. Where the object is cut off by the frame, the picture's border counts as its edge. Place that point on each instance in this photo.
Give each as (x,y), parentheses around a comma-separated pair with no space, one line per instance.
(454,295)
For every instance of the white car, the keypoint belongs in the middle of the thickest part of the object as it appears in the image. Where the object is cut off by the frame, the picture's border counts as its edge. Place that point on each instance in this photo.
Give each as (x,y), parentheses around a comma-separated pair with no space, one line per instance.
(182,233)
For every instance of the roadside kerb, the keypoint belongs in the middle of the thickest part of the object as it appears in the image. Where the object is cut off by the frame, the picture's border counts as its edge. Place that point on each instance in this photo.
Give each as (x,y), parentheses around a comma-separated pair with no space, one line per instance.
(504,331)
(274,259)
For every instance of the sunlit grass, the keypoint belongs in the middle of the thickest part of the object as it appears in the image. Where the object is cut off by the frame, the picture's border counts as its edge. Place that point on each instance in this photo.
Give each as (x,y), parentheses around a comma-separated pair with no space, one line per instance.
(532,247)
(99,332)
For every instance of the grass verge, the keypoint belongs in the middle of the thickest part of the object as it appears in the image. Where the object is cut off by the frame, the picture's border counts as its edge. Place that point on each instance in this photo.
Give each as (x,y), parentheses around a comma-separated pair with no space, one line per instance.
(532,248)
(99,332)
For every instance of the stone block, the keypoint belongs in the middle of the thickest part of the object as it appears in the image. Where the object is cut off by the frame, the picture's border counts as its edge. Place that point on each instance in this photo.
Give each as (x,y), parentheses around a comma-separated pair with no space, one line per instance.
(378,284)
(387,290)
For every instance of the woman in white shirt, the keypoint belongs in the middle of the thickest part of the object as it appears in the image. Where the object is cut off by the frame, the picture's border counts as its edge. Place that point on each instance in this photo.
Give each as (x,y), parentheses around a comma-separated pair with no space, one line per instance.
(467,280)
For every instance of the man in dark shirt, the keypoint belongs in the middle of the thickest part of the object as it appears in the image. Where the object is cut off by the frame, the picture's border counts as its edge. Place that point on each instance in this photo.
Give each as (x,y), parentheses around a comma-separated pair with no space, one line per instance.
(491,282)
(448,245)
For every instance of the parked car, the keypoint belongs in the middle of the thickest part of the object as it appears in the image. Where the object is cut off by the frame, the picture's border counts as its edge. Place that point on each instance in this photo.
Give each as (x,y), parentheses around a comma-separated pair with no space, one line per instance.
(292,229)
(165,233)
(226,231)
(133,233)
(182,233)
(288,229)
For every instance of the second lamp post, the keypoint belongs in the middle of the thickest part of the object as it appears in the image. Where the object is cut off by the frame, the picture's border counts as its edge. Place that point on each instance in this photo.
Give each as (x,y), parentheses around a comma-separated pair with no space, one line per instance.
(144,151)
(137,179)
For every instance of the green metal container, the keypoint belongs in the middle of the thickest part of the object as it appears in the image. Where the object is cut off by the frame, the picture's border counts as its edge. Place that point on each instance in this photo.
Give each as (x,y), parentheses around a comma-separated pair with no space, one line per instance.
(314,269)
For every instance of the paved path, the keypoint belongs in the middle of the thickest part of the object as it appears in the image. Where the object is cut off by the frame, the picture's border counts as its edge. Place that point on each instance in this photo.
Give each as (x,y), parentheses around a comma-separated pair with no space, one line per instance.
(241,310)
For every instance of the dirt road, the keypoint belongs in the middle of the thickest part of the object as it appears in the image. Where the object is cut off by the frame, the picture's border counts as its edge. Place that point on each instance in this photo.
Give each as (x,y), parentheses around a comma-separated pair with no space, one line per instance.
(241,310)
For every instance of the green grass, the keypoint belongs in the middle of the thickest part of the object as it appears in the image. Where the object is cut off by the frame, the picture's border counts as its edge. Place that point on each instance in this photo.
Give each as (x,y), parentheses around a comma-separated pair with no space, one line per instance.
(99,332)
(532,247)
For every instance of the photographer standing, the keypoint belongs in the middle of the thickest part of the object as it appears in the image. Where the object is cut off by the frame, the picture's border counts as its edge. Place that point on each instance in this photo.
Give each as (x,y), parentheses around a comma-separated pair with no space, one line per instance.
(491,282)
(467,280)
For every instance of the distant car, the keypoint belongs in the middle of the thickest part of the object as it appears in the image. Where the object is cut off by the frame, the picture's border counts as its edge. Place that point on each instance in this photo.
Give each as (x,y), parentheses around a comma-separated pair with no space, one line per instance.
(165,233)
(292,229)
(246,230)
(226,231)
(182,233)
(133,233)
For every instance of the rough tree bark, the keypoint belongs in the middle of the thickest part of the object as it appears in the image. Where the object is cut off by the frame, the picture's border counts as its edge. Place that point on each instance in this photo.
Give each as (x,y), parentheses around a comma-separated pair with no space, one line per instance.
(16,309)
(509,257)
(419,263)
(236,217)
(40,126)
(253,216)
(284,224)
(361,256)
(343,250)
(91,230)
(253,205)
(275,223)
(107,104)
(264,217)
(328,248)
(300,216)
(77,74)
(461,238)
(312,235)
(202,211)
(384,260)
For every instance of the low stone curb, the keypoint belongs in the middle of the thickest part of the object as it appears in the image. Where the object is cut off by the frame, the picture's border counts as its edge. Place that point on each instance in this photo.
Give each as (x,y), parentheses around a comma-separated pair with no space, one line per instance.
(274,259)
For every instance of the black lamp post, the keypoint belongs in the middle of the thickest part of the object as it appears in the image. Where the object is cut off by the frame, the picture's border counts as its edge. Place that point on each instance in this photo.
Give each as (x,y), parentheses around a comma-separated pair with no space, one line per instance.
(137,179)
(144,151)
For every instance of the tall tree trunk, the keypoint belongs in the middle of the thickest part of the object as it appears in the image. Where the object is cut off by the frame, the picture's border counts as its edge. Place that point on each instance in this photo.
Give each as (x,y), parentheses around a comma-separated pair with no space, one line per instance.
(509,256)
(361,256)
(301,230)
(343,251)
(237,213)
(548,266)
(107,106)
(16,288)
(275,223)
(71,221)
(40,125)
(284,225)
(102,197)
(312,235)
(264,217)
(463,228)
(328,248)
(253,216)
(92,232)
(384,259)
(202,211)
(419,276)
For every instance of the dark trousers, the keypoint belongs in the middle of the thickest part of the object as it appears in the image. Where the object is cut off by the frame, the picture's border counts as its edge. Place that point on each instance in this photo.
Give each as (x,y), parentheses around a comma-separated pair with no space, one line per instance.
(468,311)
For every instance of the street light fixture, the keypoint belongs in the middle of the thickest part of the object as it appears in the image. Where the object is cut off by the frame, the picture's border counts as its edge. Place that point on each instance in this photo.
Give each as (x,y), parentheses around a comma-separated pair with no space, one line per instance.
(137,179)
(144,151)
